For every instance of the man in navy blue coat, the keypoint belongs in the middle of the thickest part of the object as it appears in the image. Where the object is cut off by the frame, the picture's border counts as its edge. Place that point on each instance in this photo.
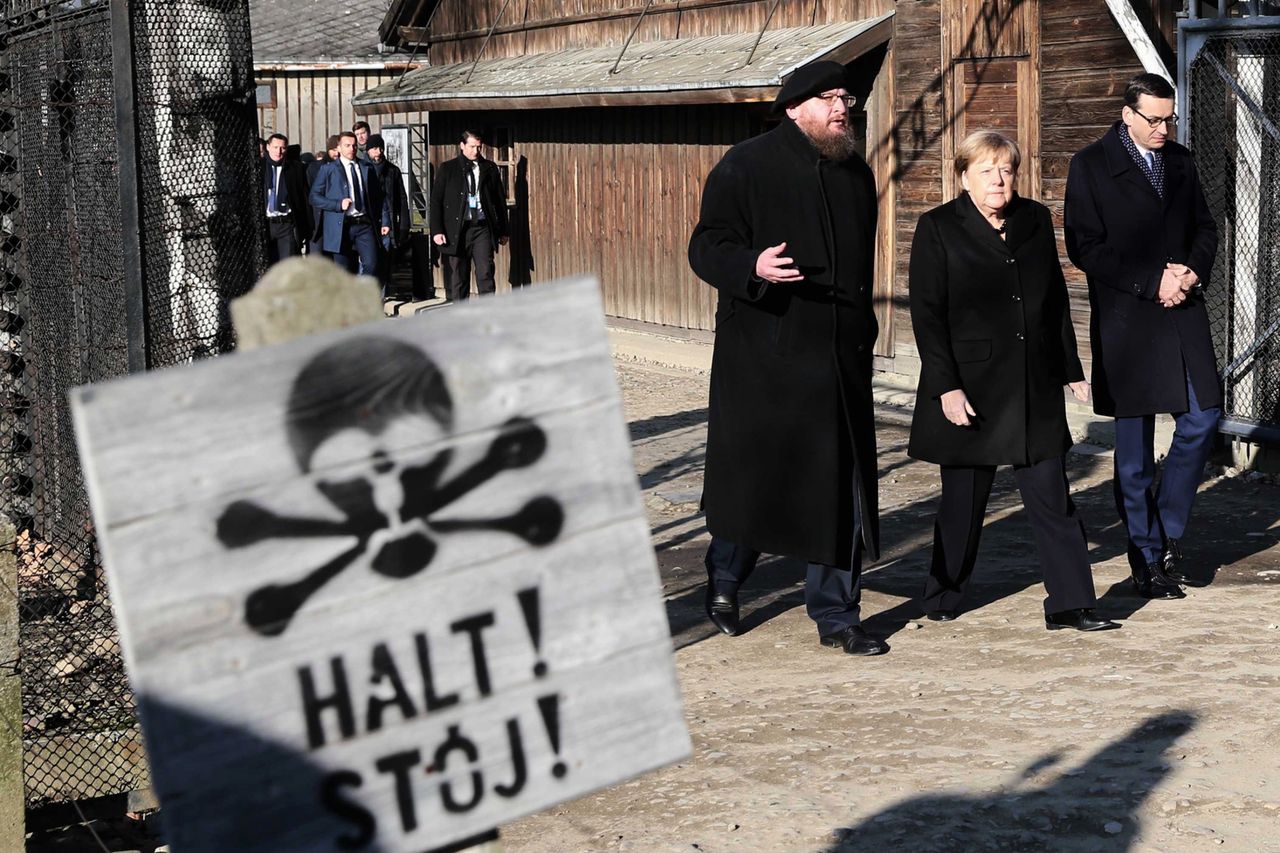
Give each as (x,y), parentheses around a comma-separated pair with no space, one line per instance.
(1138,225)
(351,203)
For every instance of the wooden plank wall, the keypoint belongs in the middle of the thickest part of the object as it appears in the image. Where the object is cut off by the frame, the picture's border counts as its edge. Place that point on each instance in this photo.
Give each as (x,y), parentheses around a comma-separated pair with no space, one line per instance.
(535,26)
(613,192)
(1085,61)
(311,105)
(916,138)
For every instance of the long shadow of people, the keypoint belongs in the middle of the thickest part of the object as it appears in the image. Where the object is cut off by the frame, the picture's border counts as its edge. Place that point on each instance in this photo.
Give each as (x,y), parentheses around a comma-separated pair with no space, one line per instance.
(1231,523)
(775,587)
(1091,807)
(1227,512)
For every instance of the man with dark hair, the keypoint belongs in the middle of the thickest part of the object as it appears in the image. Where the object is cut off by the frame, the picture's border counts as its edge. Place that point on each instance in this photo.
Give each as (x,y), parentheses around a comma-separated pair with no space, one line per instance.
(786,235)
(287,215)
(1138,225)
(352,205)
(362,130)
(468,215)
(392,180)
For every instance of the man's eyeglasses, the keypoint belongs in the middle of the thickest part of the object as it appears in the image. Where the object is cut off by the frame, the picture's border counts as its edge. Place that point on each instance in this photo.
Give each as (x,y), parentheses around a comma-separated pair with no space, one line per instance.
(1153,123)
(847,100)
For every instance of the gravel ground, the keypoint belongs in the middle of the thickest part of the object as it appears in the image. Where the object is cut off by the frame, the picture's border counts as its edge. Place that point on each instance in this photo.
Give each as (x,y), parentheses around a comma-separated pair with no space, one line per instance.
(987,733)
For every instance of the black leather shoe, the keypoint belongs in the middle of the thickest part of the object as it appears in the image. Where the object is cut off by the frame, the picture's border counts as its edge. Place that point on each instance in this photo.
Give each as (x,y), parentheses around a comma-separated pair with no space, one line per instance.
(722,610)
(942,615)
(1173,566)
(1153,583)
(855,641)
(1082,619)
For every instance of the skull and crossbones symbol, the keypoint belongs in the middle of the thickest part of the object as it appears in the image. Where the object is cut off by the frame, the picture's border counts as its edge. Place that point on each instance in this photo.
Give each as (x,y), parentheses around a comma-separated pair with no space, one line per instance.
(351,399)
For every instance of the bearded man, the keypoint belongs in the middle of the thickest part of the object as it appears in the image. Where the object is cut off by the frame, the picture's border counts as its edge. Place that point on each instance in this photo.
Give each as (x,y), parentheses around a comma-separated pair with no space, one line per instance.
(787,236)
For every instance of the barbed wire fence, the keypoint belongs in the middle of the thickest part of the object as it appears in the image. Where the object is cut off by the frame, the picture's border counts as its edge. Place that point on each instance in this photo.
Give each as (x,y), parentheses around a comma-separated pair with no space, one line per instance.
(129,195)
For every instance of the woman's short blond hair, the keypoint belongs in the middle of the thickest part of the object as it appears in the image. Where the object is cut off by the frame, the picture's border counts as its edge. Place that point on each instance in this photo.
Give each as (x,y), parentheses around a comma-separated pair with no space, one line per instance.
(986,143)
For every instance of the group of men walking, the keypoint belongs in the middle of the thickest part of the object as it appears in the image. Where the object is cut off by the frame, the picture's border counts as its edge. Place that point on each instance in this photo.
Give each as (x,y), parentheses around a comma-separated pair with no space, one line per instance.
(350,203)
(787,235)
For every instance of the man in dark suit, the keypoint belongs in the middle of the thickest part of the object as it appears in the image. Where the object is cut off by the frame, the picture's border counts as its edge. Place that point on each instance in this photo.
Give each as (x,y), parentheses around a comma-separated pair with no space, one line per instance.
(786,235)
(287,217)
(468,215)
(352,205)
(392,180)
(1138,225)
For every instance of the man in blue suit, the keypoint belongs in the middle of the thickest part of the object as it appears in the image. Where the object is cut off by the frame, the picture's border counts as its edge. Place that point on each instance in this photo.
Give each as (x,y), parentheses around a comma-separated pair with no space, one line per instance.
(349,198)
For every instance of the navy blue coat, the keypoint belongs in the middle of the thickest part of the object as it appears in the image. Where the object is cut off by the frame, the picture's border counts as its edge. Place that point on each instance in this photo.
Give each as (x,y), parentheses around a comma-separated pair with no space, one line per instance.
(327,193)
(1121,234)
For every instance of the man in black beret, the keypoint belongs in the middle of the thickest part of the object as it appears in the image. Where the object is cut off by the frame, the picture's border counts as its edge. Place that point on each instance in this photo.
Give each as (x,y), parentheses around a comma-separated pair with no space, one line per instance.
(787,236)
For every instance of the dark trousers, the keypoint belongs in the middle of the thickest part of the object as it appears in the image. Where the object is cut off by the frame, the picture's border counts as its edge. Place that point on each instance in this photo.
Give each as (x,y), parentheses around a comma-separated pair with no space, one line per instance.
(831,593)
(359,248)
(475,248)
(389,256)
(1058,532)
(1150,518)
(282,240)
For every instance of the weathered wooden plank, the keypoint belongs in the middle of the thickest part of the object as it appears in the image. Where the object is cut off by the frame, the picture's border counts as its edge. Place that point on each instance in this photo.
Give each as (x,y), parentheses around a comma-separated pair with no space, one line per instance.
(1114,52)
(1066,84)
(1078,111)
(397,614)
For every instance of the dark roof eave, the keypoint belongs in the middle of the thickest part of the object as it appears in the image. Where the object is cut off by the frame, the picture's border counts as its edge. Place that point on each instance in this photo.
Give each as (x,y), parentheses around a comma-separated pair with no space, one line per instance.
(338,63)
(670,97)
(843,52)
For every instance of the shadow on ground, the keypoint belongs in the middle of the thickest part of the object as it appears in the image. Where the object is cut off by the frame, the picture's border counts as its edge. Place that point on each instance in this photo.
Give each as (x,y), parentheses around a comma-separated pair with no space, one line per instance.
(1093,806)
(1234,520)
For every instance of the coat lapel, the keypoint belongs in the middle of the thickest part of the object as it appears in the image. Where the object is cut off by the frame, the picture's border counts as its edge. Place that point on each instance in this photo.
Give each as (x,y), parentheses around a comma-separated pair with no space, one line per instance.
(1122,166)
(976,224)
(1021,224)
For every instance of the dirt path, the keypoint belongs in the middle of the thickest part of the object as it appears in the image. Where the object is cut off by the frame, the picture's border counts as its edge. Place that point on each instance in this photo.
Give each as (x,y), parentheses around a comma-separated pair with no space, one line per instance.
(982,734)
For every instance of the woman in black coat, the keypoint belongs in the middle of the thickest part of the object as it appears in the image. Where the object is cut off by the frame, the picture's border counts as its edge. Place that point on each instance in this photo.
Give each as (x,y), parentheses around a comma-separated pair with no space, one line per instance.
(990,313)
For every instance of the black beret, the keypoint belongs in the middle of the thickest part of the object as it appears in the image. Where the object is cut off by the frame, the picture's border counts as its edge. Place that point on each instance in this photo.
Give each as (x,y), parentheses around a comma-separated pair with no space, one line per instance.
(375,141)
(812,79)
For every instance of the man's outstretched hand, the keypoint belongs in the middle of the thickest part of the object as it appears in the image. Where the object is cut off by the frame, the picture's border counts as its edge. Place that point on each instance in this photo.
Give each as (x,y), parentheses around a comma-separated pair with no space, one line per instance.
(771,266)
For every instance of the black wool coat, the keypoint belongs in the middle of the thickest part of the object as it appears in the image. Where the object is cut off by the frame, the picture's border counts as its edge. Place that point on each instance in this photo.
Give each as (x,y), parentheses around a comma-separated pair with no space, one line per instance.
(1121,234)
(397,199)
(991,318)
(449,200)
(791,436)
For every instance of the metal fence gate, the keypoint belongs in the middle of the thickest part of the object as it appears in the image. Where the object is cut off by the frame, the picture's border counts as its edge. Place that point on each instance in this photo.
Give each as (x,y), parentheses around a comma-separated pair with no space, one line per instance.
(129,195)
(1230,92)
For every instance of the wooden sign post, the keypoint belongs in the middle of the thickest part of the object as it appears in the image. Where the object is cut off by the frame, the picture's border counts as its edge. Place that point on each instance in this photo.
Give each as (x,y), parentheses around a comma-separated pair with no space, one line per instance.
(388,587)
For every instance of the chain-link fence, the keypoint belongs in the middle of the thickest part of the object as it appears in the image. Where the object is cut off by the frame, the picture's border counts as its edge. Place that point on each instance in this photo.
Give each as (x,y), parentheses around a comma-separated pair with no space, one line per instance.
(1233,105)
(128,198)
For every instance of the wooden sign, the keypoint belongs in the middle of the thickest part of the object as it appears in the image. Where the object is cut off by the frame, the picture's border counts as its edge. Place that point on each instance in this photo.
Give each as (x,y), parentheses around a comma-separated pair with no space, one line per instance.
(384,588)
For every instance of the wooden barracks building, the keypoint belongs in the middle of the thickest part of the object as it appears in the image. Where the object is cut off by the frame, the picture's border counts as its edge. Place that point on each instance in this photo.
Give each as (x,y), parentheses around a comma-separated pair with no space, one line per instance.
(607,116)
